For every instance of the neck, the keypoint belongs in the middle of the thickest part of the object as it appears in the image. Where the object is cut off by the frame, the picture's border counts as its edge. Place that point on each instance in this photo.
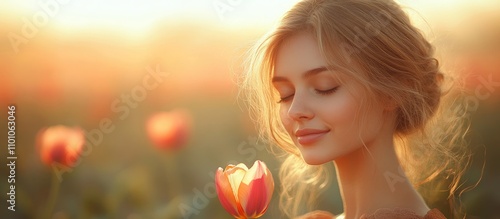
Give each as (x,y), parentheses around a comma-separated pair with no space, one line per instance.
(372,178)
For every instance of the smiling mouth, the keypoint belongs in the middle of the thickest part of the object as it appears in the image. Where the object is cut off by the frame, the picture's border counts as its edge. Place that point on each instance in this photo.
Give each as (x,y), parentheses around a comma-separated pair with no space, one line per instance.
(309,136)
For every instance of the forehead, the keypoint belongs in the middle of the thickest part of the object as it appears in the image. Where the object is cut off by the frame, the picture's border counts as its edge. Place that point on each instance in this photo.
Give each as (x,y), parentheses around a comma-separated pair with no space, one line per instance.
(298,53)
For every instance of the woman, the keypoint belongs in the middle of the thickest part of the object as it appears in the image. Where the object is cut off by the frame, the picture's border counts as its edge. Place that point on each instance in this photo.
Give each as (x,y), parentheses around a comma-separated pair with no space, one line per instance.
(353,82)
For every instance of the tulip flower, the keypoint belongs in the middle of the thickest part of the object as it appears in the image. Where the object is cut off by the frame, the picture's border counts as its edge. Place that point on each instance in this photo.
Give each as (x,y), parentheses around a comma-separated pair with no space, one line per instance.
(60,144)
(243,192)
(169,130)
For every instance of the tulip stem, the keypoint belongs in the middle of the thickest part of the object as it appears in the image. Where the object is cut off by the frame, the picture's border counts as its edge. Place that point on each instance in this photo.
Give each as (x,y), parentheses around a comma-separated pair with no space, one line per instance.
(173,175)
(53,194)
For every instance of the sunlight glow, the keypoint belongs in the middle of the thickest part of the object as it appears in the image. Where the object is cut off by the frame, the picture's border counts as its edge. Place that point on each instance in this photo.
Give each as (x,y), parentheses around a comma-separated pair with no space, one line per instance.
(134,15)
(138,17)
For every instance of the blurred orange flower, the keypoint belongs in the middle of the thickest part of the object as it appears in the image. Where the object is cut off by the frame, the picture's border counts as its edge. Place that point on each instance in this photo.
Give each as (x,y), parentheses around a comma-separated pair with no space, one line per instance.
(60,144)
(169,130)
(243,192)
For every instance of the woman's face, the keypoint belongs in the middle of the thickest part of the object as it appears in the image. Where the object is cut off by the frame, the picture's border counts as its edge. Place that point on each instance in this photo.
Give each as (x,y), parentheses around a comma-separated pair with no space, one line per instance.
(321,115)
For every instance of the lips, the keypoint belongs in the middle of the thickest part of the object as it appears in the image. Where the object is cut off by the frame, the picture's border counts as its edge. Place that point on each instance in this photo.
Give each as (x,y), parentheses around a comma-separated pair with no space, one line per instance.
(309,136)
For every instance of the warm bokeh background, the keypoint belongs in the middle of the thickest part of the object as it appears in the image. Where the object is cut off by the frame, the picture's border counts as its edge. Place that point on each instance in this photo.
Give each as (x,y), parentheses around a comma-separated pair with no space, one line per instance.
(73,63)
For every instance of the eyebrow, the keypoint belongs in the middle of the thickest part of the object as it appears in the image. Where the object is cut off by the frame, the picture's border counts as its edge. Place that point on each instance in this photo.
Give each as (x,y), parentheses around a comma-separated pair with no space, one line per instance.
(306,74)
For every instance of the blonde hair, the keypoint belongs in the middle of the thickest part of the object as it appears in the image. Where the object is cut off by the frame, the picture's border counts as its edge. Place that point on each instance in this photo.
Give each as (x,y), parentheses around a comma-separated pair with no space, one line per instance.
(374,43)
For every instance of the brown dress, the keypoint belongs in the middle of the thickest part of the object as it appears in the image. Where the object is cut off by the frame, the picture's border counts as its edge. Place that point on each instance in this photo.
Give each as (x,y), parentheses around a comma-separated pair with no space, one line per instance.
(403,214)
(380,214)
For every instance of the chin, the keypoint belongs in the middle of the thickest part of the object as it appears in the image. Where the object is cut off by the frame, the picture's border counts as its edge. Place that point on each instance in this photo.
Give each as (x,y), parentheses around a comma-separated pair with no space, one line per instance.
(314,160)
(319,155)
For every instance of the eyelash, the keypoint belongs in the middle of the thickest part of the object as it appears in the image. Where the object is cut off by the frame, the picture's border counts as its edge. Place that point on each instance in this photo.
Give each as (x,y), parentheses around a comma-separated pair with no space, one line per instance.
(321,92)
(327,92)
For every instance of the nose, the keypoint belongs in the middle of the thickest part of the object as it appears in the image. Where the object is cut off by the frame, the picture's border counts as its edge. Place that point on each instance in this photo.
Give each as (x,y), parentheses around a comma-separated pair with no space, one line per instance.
(300,109)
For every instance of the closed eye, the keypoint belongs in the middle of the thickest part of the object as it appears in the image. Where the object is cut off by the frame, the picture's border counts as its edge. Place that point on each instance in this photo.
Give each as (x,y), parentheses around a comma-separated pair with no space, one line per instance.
(327,92)
(321,92)
(285,99)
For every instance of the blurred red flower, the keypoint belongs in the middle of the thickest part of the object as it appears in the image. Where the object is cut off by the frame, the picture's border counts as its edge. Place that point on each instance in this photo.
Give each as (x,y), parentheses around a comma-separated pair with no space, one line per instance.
(60,144)
(169,130)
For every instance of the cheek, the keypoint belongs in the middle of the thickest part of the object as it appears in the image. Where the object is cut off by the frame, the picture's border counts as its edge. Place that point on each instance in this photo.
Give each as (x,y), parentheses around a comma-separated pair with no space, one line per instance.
(358,122)
(341,113)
